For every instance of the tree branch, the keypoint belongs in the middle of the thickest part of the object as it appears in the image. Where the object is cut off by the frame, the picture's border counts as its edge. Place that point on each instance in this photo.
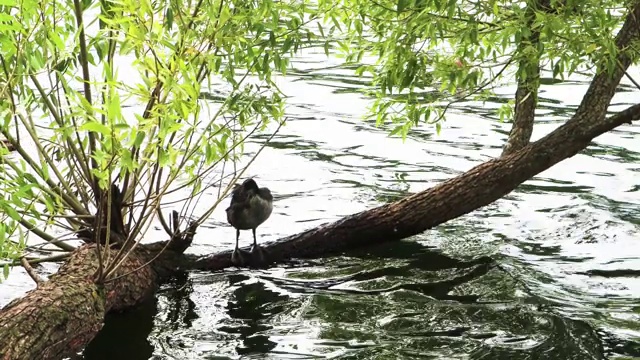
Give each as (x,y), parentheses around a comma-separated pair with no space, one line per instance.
(27,267)
(594,104)
(72,291)
(455,197)
(84,61)
(528,83)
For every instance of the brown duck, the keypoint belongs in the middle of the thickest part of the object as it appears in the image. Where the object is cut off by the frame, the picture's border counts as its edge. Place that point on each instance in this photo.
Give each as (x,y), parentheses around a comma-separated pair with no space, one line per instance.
(250,206)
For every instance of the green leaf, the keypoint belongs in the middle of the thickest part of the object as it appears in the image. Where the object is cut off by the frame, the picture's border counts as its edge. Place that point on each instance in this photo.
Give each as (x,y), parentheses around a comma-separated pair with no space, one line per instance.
(169,18)
(11,212)
(96,127)
(224,16)
(114,107)
(320,29)
(396,130)
(163,157)
(287,44)
(402,5)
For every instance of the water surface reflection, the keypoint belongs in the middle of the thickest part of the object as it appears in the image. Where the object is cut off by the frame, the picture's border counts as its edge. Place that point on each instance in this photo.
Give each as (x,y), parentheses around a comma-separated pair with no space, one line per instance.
(548,272)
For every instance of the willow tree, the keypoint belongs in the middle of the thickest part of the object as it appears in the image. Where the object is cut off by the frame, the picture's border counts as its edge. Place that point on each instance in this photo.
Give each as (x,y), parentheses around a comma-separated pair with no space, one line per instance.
(99,170)
(114,106)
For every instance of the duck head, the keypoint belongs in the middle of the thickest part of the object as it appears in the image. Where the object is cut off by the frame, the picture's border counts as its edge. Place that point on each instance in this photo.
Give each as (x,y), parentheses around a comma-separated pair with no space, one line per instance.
(250,185)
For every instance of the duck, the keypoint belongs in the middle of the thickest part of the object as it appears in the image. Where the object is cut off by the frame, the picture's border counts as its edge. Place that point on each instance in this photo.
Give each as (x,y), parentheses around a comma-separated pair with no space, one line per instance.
(250,207)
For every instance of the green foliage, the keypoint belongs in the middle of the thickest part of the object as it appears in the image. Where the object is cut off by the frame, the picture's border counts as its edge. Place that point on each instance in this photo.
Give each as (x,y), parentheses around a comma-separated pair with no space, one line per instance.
(10,250)
(432,53)
(70,71)
(74,73)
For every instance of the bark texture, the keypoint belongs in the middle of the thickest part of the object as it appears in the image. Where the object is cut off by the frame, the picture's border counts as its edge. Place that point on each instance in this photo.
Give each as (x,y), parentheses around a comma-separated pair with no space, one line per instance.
(63,314)
(528,77)
(412,215)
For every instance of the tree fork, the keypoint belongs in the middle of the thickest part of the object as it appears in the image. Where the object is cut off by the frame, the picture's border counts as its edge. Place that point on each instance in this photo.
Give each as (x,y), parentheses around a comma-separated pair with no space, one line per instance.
(528,83)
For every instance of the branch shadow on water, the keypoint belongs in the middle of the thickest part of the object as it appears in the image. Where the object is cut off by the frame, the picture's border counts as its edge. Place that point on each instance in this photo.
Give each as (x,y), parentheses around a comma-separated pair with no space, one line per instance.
(399,300)
(399,260)
(125,335)
(182,310)
(406,301)
(250,306)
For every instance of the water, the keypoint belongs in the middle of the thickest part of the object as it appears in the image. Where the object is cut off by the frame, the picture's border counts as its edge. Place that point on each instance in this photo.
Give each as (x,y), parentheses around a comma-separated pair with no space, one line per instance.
(531,276)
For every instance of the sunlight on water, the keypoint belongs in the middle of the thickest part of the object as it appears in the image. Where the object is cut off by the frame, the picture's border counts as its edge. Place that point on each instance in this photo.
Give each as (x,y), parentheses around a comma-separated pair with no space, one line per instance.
(437,295)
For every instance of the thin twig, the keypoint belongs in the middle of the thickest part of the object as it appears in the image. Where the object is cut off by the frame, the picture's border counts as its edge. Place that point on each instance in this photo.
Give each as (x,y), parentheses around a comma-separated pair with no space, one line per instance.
(31,272)
(86,77)
(626,73)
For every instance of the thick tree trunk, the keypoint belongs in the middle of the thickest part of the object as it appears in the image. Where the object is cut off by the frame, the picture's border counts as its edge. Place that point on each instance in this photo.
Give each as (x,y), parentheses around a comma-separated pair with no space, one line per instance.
(63,314)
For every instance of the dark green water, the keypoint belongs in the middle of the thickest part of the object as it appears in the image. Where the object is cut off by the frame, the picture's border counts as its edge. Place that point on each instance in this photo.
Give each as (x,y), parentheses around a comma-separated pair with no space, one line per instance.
(549,272)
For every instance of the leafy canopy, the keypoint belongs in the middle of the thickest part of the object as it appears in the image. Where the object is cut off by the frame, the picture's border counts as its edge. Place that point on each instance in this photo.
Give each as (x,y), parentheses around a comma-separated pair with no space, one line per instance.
(430,54)
(153,96)
(157,96)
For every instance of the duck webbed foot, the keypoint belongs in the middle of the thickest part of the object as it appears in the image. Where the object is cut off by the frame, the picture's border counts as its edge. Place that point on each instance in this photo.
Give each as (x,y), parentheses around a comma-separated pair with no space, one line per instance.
(258,255)
(238,258)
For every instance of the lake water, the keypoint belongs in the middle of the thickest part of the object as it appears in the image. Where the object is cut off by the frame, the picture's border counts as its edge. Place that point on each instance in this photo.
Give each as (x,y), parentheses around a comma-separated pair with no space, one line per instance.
(536,275)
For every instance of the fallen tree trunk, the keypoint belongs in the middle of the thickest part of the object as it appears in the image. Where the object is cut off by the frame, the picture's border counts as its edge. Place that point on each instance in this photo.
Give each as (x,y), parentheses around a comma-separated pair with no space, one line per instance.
(63,314)
(414,214)
(475,188)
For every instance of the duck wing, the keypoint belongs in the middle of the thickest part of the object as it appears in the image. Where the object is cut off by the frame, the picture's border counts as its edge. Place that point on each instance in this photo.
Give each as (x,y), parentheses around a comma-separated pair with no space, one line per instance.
(239,198)
(239,194)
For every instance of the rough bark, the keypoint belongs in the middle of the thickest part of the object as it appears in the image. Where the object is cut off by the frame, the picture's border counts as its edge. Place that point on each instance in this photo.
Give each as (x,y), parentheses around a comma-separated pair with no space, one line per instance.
(412,215)
(63,314)
(528,78)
